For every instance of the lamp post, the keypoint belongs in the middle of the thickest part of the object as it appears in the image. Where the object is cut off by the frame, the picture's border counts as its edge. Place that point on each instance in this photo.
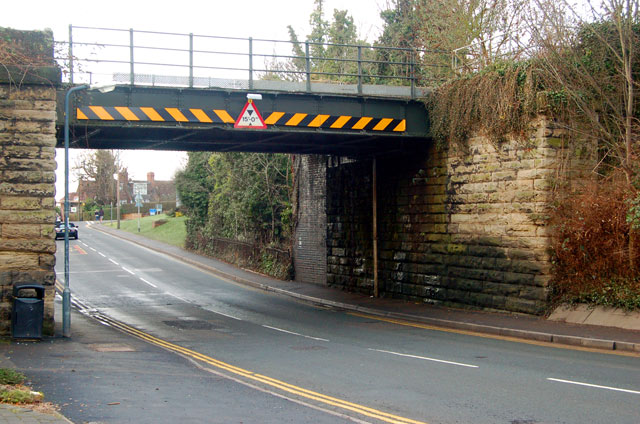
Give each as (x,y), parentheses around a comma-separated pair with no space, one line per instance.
(66,293)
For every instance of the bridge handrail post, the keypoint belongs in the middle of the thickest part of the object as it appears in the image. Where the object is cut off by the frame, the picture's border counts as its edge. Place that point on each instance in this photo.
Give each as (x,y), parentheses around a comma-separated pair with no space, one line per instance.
(250,63)
(132,77)
(71,54)
(359,69)
(307,65)
(413,75)
(191,60)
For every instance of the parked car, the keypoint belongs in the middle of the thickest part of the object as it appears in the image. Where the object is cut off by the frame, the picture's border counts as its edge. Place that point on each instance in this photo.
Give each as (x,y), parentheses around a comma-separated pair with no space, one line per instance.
(73,230)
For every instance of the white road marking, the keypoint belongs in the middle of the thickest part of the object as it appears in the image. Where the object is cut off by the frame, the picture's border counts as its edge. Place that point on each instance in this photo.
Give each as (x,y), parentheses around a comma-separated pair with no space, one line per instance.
(84,244)
(93,249)
(146,282)
(177,297)
(425,358)
(295,334)
(224,315)
(114,262)
(635,392)
(102,254)
(129,271)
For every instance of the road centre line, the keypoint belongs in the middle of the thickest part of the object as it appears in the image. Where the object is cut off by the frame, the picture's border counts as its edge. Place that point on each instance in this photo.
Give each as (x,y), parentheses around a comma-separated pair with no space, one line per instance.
(177,297)
(223,314)
(295,334)
(146,282)
(114,261)
(102,254)
(92,248)
(425,358)
(596,386)
(262,379)
(129,271)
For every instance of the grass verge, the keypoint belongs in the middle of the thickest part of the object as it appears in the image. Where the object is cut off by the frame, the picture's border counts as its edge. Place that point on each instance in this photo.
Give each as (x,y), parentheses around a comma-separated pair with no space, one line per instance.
(14,391)
(173,231)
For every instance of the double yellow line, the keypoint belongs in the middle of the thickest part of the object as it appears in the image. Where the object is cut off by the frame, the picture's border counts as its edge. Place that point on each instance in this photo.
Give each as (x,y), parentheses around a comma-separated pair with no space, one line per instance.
(250,375)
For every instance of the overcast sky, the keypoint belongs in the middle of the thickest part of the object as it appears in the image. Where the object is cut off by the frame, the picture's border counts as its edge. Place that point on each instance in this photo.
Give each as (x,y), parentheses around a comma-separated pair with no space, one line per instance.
(246,18)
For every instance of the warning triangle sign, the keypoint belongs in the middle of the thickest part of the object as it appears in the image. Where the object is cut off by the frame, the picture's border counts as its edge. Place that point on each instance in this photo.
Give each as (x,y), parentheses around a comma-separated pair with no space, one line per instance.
(250,117)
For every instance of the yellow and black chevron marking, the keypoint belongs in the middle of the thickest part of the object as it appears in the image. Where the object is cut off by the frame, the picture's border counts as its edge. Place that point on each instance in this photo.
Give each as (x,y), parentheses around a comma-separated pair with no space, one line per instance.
(220,116)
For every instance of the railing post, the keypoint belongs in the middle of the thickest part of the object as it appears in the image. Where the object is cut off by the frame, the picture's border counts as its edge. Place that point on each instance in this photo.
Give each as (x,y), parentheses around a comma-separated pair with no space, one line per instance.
(307,65)
(131,68)
(71,54)
(413,76)
(191,60)
(359,69)
(250,63)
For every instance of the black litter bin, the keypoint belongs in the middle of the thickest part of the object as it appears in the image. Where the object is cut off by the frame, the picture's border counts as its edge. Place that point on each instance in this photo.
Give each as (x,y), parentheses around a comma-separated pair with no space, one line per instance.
(28,312)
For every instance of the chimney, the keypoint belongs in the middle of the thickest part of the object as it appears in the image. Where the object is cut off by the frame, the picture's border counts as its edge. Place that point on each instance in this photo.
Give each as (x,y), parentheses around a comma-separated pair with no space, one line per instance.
(150,177)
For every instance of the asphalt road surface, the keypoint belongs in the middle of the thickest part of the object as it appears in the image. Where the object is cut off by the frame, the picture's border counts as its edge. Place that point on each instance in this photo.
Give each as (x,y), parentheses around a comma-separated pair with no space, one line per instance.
(254,356)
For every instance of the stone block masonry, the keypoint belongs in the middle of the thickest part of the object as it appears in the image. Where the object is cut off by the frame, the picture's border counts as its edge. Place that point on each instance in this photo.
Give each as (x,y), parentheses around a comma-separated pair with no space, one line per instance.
(27,171)
(465,226)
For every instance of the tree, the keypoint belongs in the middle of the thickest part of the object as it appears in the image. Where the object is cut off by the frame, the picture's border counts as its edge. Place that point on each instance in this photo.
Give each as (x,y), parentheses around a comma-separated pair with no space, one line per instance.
(99,167)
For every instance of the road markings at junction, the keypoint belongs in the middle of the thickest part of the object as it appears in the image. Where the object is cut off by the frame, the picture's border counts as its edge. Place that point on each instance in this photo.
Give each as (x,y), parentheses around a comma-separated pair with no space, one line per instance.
(595,386)
(425,358)
(295,334)
(252,376)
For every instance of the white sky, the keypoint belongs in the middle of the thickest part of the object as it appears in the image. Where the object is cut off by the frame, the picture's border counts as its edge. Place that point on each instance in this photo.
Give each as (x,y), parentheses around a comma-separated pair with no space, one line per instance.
(266,19)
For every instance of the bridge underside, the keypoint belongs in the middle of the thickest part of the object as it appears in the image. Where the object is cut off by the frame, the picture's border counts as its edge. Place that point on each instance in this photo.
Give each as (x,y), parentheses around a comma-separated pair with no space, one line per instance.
(152,118)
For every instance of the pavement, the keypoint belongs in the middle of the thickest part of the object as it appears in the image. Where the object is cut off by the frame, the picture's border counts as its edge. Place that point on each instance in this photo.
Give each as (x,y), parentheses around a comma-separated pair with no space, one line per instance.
(601,329)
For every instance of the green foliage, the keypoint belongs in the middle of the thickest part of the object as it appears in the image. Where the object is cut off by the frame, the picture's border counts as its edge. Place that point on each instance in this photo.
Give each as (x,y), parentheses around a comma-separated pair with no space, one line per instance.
(11,376)
(194,184)
(19,396)
(633,213)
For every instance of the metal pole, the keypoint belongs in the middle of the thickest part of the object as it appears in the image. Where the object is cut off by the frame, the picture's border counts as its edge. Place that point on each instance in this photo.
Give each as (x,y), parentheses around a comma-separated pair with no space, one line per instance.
(118,200)
(413,77)
(307,65)
(132,78)
(138,216)
(250,63)
(66,293)
(71,54)
(375,229)
(191,60)
(359,69)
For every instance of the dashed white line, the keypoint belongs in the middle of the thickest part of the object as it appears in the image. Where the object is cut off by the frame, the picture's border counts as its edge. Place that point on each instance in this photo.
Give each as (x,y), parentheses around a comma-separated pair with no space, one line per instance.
(295,334)
(146,282)
(102,254)
(225,315)
(93,249)
(596,386)
(177,297)
(114,262)
(425,358)
(129,271)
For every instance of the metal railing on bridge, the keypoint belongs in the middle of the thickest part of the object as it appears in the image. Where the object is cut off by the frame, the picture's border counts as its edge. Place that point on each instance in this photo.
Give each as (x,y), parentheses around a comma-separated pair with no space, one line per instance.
(107,56)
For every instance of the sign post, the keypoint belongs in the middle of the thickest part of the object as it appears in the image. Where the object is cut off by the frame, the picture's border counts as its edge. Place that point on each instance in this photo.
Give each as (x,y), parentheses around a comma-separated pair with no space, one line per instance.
(138,204)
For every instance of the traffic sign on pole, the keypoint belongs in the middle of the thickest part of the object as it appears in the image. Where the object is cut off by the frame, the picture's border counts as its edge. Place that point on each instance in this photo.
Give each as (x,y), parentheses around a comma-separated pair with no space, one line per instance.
(250,117)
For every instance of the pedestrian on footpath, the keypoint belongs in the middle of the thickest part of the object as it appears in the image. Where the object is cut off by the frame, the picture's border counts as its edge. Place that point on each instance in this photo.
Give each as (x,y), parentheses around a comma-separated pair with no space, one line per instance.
(101,214)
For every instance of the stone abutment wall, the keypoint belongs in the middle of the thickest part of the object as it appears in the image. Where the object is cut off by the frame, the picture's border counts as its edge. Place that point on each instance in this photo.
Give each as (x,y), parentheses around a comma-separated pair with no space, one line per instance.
(27,170)
(462,226)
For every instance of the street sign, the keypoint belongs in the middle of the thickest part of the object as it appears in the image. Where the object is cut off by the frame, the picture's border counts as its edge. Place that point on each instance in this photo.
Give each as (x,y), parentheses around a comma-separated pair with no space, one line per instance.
(138,200)
(140,188)
(250,118)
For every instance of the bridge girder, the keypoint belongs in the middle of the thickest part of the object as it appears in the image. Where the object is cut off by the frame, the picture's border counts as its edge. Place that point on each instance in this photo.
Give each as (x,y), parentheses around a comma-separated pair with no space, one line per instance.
(184,119)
